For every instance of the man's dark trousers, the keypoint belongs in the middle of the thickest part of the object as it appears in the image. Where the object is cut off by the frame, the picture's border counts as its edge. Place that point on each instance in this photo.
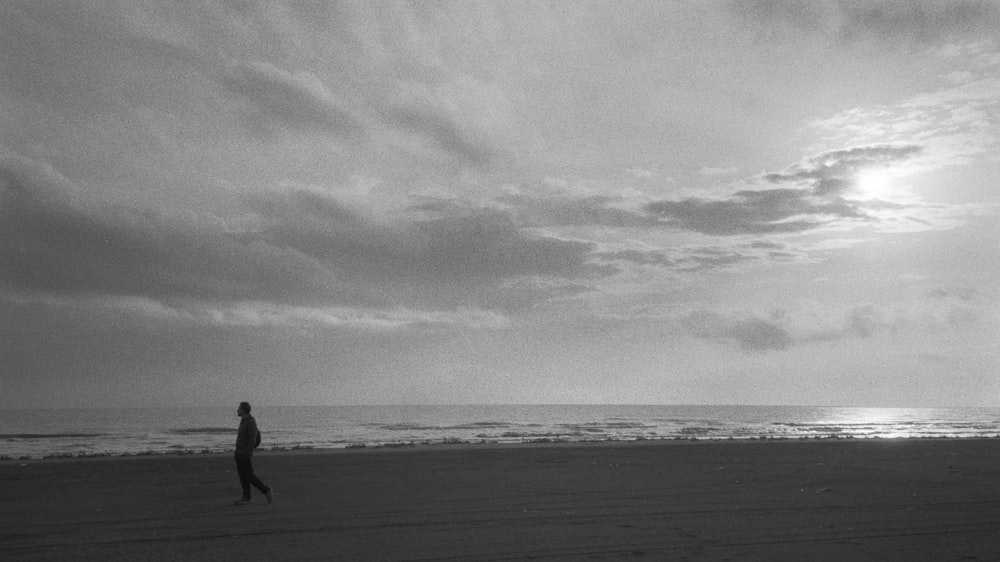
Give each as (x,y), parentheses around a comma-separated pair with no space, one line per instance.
(244,467)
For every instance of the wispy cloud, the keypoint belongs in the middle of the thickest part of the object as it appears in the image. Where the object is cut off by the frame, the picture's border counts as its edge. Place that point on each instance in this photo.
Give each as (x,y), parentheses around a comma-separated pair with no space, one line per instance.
(955,123)
(771,211)
(683,259)
(139,310)
(464,118)
(296,99)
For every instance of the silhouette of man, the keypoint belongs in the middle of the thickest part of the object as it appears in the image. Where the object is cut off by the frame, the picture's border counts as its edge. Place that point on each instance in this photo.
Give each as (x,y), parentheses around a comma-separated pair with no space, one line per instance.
(246,441)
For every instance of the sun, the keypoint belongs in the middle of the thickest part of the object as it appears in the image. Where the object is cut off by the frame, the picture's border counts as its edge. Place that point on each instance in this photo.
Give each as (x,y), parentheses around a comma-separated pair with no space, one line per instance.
(873,184)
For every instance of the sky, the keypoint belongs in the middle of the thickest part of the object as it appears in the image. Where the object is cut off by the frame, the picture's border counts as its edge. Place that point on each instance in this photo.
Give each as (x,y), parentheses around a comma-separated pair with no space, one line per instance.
(310,202)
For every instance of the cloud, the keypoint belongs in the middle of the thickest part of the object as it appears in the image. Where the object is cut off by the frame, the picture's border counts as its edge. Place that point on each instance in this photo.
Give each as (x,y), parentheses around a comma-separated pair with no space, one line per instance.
(52,239)
(68,57)
(824,191)
(640,172)
(715,171)
(571,210)
(913,21)
(440,244)
(640,257)
(464,117)
(964,294)
(299,100)
(832,172)
(812,195)
(752,334)
(941,310)
(954,124)
(111,310)
(293,248)
(753,212)
(783,329)
(488,244)
(691,259)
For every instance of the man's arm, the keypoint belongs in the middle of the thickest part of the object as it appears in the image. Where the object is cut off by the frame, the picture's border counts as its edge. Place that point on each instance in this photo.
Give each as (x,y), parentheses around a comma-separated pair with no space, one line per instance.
(244,443)
(252,435)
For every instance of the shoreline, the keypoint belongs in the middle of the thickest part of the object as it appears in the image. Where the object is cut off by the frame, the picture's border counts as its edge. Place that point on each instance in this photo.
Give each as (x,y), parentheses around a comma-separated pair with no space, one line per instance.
(451,445)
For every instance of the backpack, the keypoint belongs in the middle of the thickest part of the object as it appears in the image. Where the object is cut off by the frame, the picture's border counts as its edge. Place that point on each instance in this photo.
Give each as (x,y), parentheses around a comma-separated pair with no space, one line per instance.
(257,442)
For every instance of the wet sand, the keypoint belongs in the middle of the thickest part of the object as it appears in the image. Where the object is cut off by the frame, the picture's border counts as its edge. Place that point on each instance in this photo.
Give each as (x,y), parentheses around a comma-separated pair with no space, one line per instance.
(760,500)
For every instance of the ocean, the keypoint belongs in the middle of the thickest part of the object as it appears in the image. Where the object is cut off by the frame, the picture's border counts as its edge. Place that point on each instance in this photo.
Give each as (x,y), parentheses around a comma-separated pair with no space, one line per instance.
(40,433)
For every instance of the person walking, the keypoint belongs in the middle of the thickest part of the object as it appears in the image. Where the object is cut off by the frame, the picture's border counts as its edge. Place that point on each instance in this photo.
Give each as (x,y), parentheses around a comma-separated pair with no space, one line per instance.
(246,441)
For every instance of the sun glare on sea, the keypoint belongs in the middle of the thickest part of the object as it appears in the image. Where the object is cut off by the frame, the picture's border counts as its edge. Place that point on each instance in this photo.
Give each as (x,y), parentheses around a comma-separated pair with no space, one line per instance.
(873,184)
(878,422)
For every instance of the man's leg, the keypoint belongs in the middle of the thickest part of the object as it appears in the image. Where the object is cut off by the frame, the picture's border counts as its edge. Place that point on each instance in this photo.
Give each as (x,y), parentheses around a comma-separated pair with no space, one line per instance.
(257,482)
(245,471)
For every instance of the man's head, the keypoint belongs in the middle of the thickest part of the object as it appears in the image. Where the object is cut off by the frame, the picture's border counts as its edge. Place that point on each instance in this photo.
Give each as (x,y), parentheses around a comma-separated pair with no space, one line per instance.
(244,409)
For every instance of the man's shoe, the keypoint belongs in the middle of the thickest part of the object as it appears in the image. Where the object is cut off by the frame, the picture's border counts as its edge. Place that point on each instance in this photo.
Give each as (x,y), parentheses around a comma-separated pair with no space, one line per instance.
(269,494)
(242,501)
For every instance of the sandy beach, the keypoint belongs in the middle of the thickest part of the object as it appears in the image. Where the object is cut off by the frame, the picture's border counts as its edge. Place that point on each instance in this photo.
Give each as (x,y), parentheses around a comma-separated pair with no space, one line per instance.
(758,500)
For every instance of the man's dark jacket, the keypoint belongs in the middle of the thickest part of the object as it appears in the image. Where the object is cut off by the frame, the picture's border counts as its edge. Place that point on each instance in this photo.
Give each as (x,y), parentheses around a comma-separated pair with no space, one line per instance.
(246,436)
